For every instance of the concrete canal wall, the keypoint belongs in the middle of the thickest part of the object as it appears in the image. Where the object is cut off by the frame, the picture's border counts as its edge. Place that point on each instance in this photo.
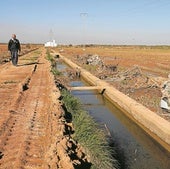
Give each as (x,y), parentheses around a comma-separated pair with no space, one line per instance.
(152,123)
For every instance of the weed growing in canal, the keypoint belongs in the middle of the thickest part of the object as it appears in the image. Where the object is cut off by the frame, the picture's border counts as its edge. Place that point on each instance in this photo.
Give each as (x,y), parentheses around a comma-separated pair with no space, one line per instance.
(89,134)
(55,72)
(50,58)
(72,104)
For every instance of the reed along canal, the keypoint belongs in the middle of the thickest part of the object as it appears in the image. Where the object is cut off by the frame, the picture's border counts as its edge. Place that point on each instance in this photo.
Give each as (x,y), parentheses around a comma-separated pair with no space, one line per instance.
(135,148)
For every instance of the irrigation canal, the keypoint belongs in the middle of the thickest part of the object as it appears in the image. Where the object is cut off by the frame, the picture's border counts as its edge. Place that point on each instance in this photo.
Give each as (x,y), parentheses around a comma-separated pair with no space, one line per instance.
(135,148)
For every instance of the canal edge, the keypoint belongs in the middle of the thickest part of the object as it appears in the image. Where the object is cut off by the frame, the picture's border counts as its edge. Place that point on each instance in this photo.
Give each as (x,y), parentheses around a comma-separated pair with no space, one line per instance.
(154,125)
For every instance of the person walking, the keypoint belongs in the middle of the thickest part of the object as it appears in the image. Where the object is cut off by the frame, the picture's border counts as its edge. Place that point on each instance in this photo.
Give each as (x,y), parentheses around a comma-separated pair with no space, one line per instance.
(14,47)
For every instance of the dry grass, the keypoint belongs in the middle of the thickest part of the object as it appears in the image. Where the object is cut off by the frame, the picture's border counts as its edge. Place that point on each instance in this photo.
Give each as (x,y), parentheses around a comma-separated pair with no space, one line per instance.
(154,60)
(154,63)
(25,48)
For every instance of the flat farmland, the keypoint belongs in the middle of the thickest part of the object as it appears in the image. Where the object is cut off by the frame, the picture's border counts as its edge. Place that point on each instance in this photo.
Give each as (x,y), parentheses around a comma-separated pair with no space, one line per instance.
(154,59)
(140,70)
(3,52)
(5,55)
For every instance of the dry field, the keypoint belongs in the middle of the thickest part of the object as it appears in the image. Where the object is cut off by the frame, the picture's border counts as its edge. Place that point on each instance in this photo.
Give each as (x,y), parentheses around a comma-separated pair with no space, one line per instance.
(32,134)
(142,83)
(3,52)
(5,55)
(155,60)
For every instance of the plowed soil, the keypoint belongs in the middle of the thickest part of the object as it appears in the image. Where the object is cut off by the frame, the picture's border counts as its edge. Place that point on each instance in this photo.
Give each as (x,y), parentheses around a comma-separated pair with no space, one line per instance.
(28,108)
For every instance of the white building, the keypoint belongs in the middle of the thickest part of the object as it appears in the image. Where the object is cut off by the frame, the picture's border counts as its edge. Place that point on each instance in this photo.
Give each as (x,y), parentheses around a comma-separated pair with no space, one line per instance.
(50,44)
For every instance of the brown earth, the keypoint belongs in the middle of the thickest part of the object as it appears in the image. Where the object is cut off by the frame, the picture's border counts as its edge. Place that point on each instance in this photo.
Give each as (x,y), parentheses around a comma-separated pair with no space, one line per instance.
(25,48)
(31,125)
(155,60)
(140,70)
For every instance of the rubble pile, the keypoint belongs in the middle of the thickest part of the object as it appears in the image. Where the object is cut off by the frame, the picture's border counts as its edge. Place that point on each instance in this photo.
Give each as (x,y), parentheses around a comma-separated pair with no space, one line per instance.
(135,78)
(133,72)
(94,60)
(90,59)
(165,101)
(130,80)
(138,79)
(143,86)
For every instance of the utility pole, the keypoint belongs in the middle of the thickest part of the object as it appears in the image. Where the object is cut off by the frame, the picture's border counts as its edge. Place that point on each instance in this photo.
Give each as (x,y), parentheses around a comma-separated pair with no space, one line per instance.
(51,35)
(84,16)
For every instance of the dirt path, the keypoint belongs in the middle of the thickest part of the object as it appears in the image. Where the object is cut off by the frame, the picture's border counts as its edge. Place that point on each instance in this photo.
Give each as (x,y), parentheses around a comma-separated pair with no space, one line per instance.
(28,124)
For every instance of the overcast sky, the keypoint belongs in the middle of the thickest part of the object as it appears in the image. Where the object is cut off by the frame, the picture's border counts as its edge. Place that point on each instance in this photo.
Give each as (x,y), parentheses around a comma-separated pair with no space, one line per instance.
(145,22)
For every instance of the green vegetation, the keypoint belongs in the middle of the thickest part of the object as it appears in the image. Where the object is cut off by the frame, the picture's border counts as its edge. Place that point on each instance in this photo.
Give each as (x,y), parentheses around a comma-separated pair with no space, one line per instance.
(55,72)
(86,131)
(89,134)
(50,58)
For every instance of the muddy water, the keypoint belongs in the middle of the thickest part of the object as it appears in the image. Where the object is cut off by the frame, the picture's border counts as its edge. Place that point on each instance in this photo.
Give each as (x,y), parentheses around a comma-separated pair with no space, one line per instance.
(136,149)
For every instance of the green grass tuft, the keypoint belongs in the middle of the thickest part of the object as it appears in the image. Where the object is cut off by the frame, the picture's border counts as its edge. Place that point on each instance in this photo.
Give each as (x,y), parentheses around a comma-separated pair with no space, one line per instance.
(49,57)
(55,72)
(89,134)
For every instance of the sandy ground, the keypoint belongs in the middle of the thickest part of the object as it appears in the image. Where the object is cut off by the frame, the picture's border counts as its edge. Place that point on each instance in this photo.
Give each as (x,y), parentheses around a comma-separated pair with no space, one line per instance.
(5,54)
(30,111)
(28,114)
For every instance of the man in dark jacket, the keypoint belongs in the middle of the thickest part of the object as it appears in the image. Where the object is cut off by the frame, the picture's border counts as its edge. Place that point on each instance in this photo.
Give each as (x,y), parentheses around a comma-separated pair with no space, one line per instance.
(14,47)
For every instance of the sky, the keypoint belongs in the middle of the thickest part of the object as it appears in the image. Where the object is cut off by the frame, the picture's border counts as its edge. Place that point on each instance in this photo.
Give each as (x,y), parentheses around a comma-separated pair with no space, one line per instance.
(115,22)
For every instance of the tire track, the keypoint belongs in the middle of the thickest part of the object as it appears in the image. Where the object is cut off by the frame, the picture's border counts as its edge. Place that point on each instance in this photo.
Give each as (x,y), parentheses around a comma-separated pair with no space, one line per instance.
(27,132)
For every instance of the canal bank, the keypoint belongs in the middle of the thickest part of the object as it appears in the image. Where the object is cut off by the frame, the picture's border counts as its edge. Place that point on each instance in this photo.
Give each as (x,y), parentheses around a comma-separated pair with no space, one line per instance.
(154,125)
(135,148)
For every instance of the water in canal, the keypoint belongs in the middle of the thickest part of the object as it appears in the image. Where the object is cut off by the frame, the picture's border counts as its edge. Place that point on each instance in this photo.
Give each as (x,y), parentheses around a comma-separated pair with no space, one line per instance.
(136,149)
